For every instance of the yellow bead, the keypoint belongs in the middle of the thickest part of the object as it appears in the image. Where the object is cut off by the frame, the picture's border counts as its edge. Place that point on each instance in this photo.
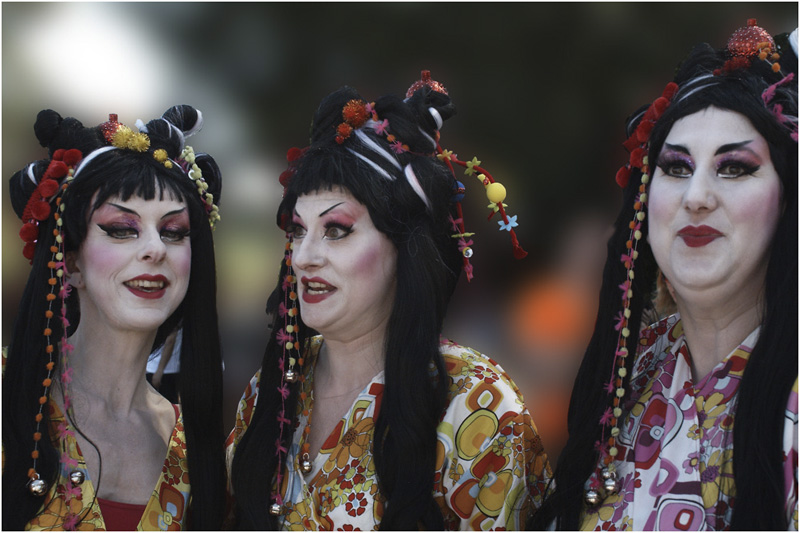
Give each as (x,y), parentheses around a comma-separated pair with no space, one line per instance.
(626,332)
(614,432)
(622,372)
(640,216)
(627,313)
(617,412)
(637,235)
(613,451)
(620,392)
(496,193)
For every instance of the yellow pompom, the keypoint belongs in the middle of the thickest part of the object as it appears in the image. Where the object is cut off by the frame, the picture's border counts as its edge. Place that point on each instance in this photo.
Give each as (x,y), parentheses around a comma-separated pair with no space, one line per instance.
(496,192)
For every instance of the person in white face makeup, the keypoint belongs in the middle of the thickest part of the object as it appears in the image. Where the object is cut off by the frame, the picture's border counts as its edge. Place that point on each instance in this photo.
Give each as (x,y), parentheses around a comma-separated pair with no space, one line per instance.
(117,225)
(377,422)
(698,411)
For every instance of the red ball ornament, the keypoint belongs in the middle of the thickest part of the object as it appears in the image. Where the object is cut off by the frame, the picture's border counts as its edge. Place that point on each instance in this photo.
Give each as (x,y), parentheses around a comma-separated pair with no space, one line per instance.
(40,210)
(29,232)
(744,41)
(72,157)
(57,169)
(108,129)
(28,250)
(426,80)
(48,188)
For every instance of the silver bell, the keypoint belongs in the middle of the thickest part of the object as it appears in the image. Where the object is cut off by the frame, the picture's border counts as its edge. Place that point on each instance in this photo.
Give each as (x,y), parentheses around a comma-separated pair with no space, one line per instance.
(468,252)
(610,485)
(290,375)
(275,509)
(76,477)
(37,487)
(592,497)
(609,474)
(305,466)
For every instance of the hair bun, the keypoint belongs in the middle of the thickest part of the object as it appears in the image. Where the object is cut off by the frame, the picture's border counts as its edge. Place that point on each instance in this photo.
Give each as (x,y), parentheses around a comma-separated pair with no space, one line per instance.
(329,114)
(46,127)
(184,117)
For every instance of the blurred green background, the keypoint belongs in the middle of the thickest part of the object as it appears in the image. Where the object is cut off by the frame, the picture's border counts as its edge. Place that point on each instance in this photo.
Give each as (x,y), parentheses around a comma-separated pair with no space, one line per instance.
(542,91)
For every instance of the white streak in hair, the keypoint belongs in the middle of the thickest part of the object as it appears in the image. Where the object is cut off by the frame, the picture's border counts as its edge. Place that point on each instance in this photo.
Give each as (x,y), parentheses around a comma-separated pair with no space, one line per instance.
(430,139)
(197,125)
(140,125)
(793,41)
(692,82)
(86,160)
(414,182)
(31,175)
(436,116)
(372,145)
(371,163)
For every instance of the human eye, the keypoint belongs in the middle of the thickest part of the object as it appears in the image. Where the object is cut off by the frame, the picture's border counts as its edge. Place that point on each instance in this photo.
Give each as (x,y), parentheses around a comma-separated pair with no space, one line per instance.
(177,234)
(736,169)
(675,167)
(296,231)
(335,231)
(116,231)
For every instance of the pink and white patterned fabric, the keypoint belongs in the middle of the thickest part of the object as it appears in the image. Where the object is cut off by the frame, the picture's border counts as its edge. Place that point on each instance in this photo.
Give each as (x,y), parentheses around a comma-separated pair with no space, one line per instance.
(676,445)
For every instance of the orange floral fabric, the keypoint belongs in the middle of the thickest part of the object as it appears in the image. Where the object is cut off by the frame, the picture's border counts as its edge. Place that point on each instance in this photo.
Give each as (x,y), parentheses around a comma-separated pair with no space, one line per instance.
(489,461)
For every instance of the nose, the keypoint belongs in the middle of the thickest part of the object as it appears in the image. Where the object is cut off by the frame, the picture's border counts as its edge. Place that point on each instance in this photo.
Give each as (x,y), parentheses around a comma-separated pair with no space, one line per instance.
(152,247)
(701,192)
(307,253)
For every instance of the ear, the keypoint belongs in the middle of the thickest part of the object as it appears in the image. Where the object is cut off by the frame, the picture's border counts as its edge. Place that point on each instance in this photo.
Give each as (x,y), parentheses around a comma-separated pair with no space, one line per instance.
(74,275)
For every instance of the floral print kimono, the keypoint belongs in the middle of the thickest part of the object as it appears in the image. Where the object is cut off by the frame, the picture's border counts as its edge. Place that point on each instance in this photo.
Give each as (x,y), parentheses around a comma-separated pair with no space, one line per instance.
(676,471)
(489,456)
(75,507)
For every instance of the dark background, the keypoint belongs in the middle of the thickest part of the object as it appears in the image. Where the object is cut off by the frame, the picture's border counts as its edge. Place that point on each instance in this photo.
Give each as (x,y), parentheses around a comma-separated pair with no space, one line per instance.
(542,91)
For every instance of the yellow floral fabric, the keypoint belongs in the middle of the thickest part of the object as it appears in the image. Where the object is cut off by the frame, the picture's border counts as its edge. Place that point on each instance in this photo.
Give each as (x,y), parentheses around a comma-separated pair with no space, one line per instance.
(68,507)
(491,468)
(675,466)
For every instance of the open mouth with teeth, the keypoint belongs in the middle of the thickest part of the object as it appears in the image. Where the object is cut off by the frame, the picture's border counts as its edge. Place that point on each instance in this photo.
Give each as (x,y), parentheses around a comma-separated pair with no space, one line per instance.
(146,285)
(314,287)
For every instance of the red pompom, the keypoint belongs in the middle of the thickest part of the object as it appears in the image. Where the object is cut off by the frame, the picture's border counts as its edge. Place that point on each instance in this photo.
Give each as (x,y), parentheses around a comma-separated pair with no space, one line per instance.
(29,232)
(623,176)
(631,143)
(57,169)
(285,178)
(72,157)
(293,154)
(344,130)
(48,188)
(670,90)
(58,155)
(28,250)
(643,131)
(40,210)
(660,105)
(637,157)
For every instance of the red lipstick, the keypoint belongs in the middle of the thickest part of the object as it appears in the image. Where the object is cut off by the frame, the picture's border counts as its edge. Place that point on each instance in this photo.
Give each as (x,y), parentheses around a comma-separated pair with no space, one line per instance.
(696,236)
(148,286)
(316,289)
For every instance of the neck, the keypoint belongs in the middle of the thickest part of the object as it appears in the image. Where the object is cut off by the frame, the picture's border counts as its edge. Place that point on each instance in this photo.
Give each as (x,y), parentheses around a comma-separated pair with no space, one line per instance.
(714,331)
(108,368)
(345,364)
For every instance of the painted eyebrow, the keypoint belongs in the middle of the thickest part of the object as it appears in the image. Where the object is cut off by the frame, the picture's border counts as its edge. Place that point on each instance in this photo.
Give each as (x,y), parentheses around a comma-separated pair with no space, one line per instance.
(731,147)
(331,208)
(721,150)
(132,212)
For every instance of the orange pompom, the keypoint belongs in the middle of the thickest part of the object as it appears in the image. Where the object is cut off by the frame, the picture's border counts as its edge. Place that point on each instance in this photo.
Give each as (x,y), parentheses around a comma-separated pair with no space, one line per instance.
(344,130)
(355,113)
(35,454)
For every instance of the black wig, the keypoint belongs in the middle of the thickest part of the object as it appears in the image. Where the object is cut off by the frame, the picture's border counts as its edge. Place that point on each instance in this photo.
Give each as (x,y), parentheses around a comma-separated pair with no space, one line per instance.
(428,267)
(772,368)
(122,174)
